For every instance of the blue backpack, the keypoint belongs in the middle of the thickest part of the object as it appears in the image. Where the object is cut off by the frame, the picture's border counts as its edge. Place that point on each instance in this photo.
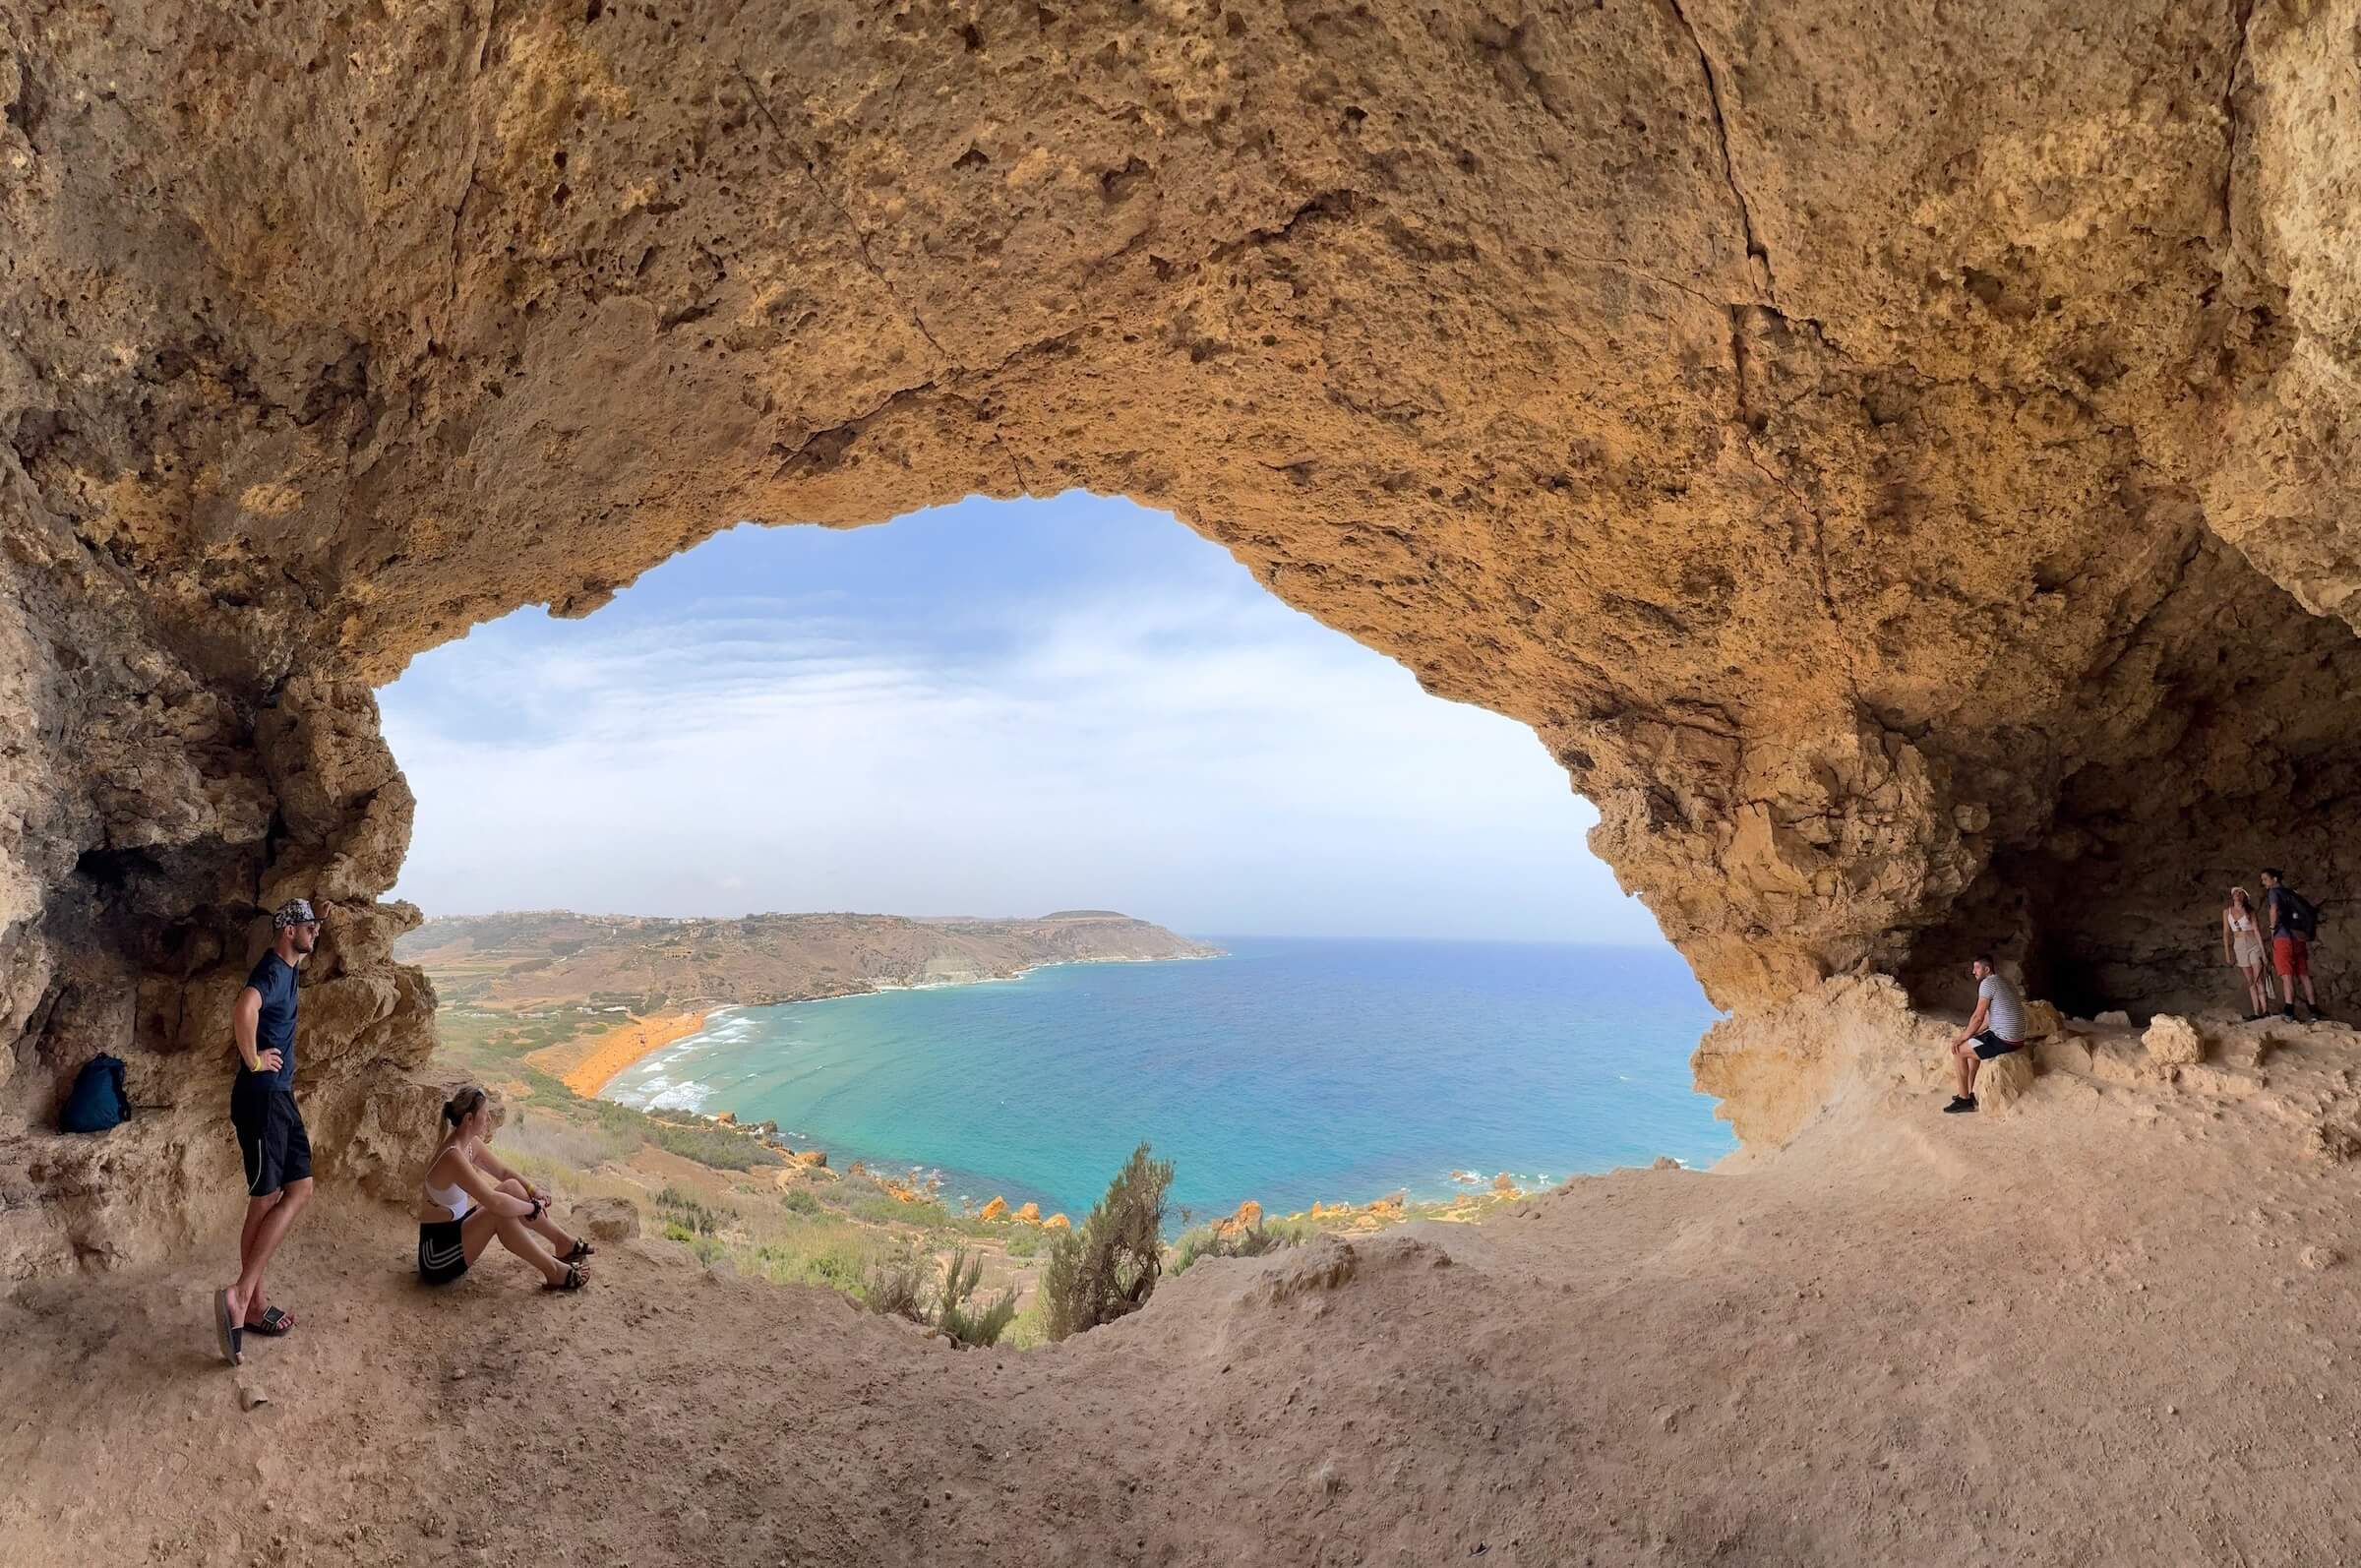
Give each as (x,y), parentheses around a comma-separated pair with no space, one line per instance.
(97,1101)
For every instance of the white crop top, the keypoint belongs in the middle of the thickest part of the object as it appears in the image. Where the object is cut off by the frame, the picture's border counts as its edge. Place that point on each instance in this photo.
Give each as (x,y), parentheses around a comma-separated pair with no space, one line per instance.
(453,1197)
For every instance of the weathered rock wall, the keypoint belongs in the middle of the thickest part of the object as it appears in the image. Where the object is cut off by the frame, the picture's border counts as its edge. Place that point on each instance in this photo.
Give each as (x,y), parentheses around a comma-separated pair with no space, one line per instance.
(1892,456)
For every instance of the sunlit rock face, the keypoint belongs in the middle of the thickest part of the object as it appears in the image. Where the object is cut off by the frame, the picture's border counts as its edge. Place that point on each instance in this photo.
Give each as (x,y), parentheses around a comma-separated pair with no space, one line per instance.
(1892,458)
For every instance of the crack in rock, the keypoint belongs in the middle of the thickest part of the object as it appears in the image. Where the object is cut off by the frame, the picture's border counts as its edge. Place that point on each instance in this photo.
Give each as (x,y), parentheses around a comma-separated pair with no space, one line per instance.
(869,258)
(1755,251)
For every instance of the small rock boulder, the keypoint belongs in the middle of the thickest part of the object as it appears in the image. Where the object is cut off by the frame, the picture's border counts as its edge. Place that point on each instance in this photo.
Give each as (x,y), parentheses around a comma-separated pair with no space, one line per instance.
(1247,1217)
(2317,1259)
(2173,1042)
(2004,1081)
(2042,1021)
(2246,1047)
(2118,1020)
(997,1209)
(1504,1183)
(2222,1082)
(1664,1162)
(1057,1222)
(1028,1214)
(608,1219)
(2062,1052)
(812,1156)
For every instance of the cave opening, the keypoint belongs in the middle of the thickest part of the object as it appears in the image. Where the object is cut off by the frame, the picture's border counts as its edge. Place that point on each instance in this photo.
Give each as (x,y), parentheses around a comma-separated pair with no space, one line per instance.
(1002,710)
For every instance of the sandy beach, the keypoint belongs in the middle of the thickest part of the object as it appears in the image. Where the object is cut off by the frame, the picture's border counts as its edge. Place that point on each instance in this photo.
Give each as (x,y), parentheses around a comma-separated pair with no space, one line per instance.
(584,1066)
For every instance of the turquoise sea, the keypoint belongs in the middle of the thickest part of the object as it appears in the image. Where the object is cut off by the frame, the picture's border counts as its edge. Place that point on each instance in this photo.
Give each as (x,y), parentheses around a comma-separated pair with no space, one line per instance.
(1287,1071)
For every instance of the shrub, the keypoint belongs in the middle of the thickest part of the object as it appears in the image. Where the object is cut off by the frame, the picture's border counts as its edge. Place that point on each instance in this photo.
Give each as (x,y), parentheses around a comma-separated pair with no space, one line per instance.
(723,1150)
(828,1253)
(1030,1328)
(1207,1242)
(1024,1244)
(1107,1269)
(710,1146)
(952,1314)
(801,1200)
(896,1286)
(561,1143)
(691,1213)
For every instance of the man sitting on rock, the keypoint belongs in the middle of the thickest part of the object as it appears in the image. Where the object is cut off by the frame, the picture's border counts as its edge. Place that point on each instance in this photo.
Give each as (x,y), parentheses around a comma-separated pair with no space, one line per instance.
(1994,1029)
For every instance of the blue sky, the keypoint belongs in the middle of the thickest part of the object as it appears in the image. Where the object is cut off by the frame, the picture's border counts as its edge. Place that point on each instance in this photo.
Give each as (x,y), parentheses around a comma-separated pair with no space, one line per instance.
(994,707)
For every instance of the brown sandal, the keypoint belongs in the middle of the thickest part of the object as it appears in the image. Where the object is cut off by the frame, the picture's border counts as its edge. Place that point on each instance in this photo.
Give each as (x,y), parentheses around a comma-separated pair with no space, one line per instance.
(575,1280)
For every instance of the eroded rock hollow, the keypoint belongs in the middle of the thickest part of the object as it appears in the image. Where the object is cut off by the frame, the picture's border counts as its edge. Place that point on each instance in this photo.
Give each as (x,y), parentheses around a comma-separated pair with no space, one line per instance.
(1893,457)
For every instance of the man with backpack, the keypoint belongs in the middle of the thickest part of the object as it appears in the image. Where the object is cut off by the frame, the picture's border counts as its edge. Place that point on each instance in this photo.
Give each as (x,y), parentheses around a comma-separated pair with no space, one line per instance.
(2293,922)
(276,1152)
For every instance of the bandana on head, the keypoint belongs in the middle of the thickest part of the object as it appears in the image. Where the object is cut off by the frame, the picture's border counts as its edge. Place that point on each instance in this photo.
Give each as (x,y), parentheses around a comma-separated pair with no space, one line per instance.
(294,912)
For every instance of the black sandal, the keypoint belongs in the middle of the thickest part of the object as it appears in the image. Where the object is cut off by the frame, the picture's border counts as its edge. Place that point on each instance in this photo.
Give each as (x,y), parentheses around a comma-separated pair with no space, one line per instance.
(582,1249)
(575,1280)
(233,1338)
(273,1322)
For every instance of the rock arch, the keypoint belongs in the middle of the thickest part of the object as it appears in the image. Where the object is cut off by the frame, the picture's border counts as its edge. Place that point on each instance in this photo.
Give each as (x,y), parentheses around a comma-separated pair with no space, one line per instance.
(1895,463)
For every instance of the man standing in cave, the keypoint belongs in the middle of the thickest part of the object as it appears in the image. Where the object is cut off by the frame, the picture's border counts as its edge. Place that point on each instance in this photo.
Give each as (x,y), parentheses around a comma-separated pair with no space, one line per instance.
(272,1142)
(2293,922)
(1994,1029)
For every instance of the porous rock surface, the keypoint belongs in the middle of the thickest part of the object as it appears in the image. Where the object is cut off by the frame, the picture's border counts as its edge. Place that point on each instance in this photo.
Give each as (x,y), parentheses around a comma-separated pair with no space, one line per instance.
(2172,1042)
(1893,457)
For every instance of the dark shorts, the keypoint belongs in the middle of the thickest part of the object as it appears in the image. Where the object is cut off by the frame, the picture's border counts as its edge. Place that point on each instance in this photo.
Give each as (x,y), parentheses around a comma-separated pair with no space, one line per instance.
(2292,956)
(1989,1044)
(442,1253)
(270,1137)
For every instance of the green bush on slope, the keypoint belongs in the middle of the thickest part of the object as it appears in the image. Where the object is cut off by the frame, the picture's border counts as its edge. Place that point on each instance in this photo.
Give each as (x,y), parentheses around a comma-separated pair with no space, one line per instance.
(1208,1241)
(966,1325)
(1107,1267)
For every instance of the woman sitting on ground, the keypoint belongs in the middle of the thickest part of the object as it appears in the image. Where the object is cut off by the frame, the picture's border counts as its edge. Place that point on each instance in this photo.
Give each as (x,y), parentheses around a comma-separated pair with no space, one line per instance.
(472,1197)
(2242,944)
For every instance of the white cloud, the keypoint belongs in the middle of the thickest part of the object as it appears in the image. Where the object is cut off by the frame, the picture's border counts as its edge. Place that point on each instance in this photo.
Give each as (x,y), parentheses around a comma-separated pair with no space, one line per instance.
(1194,753)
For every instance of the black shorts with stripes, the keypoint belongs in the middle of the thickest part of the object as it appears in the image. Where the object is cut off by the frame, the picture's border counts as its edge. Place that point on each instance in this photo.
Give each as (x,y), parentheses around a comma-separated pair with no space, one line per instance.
(270,1136)
(442,1253)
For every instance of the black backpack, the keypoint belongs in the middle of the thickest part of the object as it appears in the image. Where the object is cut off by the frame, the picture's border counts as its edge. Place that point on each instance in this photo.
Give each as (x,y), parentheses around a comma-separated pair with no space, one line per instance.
(2297,913)
(97,1101)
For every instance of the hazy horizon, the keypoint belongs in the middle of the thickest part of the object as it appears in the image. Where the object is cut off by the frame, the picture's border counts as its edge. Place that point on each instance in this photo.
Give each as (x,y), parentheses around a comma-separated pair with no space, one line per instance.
(982,707)
(965,914)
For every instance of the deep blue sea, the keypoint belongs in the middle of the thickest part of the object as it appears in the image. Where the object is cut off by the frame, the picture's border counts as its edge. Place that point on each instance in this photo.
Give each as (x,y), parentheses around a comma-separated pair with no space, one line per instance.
(1289,1072)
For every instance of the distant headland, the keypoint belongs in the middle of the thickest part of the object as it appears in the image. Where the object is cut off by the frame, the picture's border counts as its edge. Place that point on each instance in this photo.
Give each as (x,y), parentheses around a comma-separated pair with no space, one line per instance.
(666,975)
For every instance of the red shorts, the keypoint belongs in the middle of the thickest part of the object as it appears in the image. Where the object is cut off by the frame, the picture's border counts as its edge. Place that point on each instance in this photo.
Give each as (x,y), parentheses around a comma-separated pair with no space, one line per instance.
(2292,956)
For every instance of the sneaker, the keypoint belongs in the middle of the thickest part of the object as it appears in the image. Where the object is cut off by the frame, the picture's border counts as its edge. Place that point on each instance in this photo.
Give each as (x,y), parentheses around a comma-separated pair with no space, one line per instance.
(2289,1012)
(1959,1102)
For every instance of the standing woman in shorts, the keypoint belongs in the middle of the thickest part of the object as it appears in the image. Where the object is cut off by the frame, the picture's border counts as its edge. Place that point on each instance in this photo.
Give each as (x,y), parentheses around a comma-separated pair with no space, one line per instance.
(2242,944)
(470,1197)
(271,1143)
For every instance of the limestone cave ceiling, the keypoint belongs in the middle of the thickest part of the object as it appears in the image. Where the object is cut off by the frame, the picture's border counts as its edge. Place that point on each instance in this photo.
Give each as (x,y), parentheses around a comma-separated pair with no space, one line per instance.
(1892,455)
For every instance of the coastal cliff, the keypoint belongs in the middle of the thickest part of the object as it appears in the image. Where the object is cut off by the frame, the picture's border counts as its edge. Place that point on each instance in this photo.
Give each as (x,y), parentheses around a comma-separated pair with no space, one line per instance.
(646,964)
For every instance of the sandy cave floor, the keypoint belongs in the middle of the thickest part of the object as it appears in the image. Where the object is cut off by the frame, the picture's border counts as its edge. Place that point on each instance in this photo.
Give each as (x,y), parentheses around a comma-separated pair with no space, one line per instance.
(2086,1332)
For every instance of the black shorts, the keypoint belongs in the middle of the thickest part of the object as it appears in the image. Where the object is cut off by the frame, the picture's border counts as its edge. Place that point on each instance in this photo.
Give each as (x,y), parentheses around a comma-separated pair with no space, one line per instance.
(270,1137)
(442,1253)
(1989,1044)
